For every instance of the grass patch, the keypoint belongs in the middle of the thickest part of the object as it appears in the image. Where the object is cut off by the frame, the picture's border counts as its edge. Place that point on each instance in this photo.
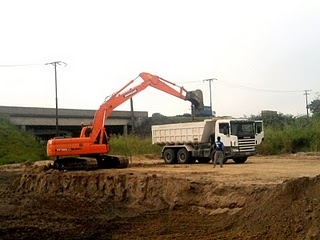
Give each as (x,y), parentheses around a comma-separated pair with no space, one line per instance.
(298,136)
(17,146)
(132,146)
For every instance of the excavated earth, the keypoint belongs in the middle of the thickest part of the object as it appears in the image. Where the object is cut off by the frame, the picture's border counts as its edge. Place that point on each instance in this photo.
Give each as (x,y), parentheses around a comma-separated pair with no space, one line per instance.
(265,198)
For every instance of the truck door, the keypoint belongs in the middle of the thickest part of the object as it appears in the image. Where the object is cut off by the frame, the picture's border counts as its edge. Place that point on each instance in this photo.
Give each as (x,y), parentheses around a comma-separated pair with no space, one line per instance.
(224,133)
(259,131)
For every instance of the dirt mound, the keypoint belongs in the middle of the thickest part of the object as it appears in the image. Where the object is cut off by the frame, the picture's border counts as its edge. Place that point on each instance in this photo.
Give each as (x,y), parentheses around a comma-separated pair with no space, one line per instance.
(129,192)
(153,200)
(290,211)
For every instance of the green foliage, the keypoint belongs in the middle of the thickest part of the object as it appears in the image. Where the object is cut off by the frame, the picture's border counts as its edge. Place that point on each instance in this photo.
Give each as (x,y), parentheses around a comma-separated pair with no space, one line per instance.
(283,134)
(17,146)
(297,135)
(132,146)
(275,121)
(315,106)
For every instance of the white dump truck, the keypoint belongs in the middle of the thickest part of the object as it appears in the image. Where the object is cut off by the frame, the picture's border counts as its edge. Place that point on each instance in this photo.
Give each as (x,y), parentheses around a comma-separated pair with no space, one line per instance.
(190,142)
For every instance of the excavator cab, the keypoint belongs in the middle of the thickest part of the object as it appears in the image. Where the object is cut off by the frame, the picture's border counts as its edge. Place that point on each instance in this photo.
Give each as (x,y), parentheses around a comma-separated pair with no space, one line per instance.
(196,98)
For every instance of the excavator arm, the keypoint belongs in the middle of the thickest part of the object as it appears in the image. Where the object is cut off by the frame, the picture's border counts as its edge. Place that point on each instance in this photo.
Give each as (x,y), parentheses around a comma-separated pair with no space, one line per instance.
(127,92)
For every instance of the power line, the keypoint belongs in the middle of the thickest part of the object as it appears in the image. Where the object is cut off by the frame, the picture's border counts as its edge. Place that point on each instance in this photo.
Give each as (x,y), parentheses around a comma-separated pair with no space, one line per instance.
(19,65)
(235,85)
(189,82)
(260,89)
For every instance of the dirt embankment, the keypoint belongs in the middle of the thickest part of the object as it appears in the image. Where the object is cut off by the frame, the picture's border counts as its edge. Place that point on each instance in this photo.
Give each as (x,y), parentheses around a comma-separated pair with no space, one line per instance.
(153,200)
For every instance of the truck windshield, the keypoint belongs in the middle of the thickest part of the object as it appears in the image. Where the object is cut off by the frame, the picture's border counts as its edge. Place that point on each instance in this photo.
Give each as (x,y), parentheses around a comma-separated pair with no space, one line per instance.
(242,129)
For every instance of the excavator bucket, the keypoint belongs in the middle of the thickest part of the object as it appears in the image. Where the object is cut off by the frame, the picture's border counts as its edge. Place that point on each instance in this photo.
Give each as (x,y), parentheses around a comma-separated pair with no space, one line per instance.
(196,98)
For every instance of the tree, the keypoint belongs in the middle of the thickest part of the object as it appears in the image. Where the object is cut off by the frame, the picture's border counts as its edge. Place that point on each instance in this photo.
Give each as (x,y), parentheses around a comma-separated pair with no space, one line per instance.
(314,106)
(276,121)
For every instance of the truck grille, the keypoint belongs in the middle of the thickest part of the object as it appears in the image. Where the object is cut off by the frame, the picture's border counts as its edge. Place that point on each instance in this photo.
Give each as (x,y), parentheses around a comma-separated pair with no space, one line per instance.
(246,145)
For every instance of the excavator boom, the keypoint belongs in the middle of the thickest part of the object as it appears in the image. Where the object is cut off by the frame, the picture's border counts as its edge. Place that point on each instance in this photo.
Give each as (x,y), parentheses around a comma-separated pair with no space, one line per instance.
(93,140)
(127,92)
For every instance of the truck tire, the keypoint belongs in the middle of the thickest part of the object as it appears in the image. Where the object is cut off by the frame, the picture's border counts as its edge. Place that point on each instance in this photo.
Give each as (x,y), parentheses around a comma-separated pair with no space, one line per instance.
(183,156)
(169,156)
(240,160)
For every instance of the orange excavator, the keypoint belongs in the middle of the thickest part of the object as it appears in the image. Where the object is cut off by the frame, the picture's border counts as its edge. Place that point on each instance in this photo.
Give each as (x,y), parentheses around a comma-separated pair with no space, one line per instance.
(90,150)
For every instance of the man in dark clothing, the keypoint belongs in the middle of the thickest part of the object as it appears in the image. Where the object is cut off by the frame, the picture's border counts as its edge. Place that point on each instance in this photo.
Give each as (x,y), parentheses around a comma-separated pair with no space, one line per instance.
(219,155)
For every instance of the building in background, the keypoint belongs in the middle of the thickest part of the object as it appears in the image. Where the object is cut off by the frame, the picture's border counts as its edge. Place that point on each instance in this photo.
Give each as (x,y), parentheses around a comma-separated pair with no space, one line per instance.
(205,112)
(268,113)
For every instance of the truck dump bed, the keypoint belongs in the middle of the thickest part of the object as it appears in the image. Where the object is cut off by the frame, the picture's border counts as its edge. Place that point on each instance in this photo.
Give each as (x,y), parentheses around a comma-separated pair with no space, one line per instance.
(182,133)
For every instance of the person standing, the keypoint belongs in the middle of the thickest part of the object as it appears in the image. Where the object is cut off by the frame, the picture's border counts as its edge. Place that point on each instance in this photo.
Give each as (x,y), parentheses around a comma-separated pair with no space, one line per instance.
(219,154)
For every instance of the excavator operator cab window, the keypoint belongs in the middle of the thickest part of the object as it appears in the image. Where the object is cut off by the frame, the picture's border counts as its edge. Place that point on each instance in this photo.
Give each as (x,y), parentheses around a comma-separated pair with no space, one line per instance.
(88,132)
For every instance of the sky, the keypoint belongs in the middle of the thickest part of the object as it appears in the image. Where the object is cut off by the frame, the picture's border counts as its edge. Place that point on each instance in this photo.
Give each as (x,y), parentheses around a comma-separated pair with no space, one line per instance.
(263,54)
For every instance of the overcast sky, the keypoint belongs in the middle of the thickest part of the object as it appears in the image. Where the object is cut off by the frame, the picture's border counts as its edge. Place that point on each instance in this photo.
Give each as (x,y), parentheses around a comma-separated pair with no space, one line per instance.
(264,54)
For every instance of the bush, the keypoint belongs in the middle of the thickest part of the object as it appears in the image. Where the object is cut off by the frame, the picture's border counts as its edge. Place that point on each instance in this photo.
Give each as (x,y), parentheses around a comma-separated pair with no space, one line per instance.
(301,135)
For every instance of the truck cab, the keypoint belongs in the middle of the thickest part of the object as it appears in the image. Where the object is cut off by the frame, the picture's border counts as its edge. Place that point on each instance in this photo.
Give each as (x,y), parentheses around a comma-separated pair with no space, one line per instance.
(240,137)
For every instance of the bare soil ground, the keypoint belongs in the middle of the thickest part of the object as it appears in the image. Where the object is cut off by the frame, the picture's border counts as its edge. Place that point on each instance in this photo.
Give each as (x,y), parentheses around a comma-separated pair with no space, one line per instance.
(265,198)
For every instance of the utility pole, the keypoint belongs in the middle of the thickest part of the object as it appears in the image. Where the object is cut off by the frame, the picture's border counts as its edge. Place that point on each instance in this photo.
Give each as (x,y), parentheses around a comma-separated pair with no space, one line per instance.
(56,90)
(306,93)
(132,116)
(210,80)
(192,112)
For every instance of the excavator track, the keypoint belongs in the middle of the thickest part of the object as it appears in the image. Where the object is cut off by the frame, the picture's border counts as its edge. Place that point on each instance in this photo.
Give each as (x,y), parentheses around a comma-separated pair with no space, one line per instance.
(90,163)
(75,163)
(108,161)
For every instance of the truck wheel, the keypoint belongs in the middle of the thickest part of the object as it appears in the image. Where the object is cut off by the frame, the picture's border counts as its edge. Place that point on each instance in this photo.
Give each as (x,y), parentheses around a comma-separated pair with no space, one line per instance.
(169,156)
(183,156)
(240,160)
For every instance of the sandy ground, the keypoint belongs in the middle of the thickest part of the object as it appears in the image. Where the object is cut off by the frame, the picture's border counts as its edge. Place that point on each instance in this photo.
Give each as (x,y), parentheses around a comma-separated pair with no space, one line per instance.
(265,198)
